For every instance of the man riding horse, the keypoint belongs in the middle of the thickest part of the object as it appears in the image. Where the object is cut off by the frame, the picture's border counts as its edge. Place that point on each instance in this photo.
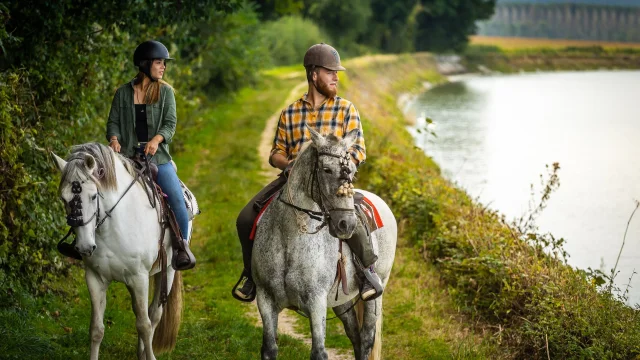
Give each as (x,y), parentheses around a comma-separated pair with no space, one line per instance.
(327,113)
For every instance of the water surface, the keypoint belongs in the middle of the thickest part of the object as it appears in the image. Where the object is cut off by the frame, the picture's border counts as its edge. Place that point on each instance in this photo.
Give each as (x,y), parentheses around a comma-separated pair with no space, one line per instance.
(496,134)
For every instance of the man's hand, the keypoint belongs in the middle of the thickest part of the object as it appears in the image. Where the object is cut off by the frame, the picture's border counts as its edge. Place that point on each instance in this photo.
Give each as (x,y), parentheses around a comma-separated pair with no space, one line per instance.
(287,170)
(114,144)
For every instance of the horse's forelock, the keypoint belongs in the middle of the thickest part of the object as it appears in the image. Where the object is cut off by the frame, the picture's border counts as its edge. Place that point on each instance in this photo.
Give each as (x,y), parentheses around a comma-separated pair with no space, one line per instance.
(105,174)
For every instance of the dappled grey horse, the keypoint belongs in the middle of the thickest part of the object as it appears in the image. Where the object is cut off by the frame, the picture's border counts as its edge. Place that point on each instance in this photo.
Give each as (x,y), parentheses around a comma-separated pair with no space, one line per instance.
(295,254)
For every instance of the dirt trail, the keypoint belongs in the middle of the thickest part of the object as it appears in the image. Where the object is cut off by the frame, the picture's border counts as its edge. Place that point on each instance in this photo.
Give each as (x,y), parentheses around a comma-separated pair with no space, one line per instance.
(286,320)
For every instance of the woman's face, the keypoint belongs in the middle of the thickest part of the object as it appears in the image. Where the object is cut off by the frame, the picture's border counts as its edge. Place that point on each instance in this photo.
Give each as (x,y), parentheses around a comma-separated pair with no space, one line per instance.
(157,68)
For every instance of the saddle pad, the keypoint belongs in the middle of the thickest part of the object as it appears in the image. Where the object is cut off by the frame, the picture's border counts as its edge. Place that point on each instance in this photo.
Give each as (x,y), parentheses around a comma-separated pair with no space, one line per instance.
(190,201)
(257,220)
(370,212)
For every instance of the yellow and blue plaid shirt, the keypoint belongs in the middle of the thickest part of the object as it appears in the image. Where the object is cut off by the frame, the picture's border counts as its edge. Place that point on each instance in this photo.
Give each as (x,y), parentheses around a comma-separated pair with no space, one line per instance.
(335,116)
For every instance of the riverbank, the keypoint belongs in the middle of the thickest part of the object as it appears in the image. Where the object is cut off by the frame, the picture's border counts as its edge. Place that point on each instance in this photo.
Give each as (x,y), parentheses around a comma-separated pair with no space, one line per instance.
(509,55)
(532,304)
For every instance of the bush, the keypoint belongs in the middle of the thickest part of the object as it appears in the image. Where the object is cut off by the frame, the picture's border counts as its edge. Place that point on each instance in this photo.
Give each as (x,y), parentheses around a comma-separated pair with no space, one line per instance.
(288,38)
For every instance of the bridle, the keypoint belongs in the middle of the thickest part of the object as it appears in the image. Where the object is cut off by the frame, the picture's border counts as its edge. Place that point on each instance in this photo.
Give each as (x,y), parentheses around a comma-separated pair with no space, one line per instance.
(325,214)
(75,218)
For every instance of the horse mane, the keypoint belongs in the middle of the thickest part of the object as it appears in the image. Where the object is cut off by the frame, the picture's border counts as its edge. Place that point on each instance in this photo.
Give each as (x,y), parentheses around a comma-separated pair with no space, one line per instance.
(104,158)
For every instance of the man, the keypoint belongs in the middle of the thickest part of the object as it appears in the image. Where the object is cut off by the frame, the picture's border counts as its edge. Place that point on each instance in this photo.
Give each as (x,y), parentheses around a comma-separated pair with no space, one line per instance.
(322,110)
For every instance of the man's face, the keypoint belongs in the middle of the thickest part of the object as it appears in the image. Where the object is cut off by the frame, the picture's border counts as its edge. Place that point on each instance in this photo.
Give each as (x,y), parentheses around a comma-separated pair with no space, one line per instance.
(326,82)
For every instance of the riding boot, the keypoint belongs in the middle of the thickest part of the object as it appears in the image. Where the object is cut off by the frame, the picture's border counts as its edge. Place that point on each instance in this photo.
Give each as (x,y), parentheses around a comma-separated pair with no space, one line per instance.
(69,250)
(246,292)
(362,248)
(183,258)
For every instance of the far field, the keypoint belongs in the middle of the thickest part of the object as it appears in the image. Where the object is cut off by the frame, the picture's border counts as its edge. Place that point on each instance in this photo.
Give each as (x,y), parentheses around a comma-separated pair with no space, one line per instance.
(513,43)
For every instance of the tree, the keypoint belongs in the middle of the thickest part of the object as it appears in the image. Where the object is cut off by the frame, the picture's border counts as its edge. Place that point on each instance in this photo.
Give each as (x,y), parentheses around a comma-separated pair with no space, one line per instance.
(446,24)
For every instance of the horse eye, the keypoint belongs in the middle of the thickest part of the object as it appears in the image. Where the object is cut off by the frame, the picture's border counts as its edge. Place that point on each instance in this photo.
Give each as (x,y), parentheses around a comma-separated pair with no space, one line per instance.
(94,196)
(327,170)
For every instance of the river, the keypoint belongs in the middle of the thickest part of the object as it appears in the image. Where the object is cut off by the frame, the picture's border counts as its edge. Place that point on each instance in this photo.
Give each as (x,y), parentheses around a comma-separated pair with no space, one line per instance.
(495,134)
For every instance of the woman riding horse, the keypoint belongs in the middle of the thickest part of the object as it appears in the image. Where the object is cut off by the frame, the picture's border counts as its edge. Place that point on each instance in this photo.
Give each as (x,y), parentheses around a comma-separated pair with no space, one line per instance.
(325,112)
(144,111)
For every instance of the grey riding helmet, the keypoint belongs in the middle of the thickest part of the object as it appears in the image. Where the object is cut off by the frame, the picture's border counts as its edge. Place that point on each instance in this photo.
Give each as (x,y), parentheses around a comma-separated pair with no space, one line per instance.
(149,50)
(323,55)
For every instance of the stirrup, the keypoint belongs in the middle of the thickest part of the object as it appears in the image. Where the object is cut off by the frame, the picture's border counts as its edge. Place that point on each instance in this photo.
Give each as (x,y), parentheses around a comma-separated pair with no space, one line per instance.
(235,288)
(375,284)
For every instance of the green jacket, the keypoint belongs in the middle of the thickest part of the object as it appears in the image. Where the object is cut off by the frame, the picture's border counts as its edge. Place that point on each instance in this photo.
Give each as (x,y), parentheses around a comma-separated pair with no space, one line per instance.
(161,119)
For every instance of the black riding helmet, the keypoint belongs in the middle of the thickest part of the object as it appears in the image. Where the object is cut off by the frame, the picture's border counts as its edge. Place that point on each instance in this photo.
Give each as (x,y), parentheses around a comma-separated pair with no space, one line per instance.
(149,50)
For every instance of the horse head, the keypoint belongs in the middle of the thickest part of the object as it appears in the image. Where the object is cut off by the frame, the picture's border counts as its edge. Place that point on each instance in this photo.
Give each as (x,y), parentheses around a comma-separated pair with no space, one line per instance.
(333,173)
(87,171)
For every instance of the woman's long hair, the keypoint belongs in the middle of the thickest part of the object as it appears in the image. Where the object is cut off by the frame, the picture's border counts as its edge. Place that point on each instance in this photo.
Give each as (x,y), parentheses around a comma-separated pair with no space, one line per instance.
(153,89)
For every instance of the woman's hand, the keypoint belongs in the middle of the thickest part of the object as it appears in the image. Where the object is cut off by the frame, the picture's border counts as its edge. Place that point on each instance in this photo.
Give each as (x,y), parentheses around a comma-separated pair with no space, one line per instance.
(152,145)
(115,145)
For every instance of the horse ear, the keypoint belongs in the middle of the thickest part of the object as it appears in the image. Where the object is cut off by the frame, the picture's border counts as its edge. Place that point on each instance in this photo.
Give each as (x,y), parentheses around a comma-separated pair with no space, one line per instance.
(89,162)
(60,163)
(316,137)
(351,137)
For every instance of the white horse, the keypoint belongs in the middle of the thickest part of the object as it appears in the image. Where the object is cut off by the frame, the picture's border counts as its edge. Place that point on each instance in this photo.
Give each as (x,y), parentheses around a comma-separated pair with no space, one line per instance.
(118,235)
(294,259)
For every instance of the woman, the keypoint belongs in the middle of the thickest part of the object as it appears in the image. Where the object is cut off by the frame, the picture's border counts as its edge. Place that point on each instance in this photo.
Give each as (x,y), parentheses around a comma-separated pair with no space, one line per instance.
(144,111)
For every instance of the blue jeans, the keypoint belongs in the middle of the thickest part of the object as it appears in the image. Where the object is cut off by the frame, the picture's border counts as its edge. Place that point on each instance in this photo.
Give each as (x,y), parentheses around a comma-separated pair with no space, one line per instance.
(170,184)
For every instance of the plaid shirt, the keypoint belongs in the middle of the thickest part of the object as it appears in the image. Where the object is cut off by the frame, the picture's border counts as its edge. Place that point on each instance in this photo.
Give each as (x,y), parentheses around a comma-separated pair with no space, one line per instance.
(335,116)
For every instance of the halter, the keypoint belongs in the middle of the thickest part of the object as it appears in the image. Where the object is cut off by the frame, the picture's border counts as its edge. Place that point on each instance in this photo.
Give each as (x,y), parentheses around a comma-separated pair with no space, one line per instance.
(325,215)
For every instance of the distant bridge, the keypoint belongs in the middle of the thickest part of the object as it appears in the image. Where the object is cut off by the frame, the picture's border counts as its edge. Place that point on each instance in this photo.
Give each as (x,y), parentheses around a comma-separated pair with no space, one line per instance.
(567,21)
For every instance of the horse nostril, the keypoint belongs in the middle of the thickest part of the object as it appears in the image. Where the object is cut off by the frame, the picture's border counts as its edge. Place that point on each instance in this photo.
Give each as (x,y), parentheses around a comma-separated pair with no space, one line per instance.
(342,225)
(93,248)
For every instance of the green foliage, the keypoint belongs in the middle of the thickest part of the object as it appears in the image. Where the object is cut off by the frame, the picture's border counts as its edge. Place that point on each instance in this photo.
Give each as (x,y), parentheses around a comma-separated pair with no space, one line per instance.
(393,25)
(344,21)
(57,80)
(288,38)
(445,25)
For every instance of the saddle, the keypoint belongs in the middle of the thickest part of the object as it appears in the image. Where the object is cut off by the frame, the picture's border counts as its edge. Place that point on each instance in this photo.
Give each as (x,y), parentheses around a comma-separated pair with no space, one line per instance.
(189,199)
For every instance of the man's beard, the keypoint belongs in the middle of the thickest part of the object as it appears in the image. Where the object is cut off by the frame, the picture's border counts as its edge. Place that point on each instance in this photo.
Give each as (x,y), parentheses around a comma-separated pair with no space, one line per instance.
(324,89)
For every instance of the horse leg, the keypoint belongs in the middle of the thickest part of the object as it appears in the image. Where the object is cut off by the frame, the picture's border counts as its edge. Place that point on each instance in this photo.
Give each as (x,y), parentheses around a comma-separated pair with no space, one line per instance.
(98,294)
(139,289)
(269,312)
(318,317)
(347,314)
(372,311)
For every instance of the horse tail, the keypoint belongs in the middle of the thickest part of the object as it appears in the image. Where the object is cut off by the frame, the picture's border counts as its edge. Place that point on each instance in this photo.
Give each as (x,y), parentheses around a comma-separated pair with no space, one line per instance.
(166,334)
(376,350)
